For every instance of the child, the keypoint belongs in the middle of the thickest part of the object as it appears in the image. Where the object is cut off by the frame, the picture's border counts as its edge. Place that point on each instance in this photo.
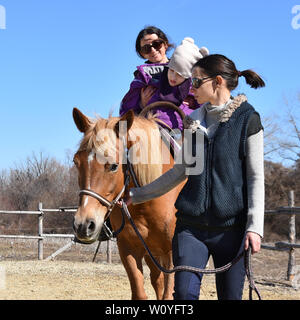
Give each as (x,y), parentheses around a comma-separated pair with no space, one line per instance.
(170,82)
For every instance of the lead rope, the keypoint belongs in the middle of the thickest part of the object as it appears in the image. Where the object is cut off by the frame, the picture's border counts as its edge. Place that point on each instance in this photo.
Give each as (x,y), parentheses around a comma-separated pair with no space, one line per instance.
(246,254)
(248,268)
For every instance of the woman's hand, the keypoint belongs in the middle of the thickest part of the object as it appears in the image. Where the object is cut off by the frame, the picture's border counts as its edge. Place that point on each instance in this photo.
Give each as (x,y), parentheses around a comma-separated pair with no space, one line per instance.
(254,239)
(146,95)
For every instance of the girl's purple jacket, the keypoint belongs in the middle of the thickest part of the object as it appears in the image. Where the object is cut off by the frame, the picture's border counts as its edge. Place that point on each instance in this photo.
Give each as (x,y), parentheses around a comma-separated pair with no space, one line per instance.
(156,75)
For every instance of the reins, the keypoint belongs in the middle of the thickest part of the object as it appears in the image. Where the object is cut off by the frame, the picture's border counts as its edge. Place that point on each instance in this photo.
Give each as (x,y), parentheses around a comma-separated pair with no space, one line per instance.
(246,254)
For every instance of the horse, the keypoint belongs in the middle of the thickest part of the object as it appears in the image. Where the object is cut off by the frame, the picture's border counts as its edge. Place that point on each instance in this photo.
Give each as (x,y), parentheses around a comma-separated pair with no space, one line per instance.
(101,170)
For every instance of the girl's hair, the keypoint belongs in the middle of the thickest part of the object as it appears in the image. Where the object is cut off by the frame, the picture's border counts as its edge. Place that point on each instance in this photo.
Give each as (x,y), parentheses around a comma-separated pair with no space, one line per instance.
(217,64)
(151,30)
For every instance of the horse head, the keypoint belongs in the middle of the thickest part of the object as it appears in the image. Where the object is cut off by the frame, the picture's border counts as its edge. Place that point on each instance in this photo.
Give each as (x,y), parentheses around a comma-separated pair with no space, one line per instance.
(100,171)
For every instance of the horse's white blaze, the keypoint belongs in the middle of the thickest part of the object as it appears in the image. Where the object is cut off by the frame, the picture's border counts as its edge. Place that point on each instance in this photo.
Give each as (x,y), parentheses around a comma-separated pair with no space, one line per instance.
(86,200)
(91,156)
(90,159)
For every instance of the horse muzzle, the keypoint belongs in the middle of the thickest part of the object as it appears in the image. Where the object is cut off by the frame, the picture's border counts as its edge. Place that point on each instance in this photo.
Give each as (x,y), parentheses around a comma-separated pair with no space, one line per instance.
(85,232)
(87,228)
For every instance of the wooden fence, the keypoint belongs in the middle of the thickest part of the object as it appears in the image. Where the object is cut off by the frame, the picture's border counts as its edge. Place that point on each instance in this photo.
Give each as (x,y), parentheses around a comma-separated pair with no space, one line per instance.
(42,236)
(290,246)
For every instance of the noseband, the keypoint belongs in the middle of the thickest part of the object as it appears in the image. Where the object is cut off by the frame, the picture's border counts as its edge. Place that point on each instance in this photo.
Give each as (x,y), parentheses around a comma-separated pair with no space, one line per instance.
(128,172)
(109,204)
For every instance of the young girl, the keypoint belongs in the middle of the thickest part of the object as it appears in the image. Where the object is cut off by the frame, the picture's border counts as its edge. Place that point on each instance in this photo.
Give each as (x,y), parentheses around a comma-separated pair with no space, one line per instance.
(220,212)
(169,82)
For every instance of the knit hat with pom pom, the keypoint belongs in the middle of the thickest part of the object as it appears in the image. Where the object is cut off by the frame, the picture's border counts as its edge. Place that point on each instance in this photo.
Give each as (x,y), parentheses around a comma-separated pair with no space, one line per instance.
(185,56)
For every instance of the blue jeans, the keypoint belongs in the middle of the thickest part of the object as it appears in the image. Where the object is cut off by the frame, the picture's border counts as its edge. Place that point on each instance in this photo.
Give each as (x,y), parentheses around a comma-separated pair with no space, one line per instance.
(193,247)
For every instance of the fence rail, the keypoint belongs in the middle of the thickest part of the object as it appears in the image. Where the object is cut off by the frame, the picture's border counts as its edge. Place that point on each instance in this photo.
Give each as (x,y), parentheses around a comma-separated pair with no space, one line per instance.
(21,212)
(42,236)
(290,246)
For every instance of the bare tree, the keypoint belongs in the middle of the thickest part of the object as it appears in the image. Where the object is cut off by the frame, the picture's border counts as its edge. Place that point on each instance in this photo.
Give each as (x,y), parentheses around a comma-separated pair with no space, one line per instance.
(39,178)
(271,137)
(3,179)
(290,142)
(4,203)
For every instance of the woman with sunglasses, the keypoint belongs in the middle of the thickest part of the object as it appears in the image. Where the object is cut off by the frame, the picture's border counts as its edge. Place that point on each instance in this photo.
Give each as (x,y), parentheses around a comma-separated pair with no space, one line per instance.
(220,210)
(172,83)
(151,44)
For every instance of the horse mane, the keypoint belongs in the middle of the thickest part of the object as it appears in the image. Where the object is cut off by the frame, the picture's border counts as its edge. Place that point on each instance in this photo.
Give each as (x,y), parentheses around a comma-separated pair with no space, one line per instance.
(144,140)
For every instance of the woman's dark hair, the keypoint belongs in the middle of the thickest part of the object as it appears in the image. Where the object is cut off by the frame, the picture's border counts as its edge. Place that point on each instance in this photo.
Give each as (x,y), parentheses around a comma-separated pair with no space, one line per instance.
(217,64)
(151,30)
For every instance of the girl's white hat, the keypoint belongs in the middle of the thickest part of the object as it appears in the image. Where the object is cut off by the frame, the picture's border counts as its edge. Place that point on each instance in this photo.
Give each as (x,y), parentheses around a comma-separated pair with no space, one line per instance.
(185,56)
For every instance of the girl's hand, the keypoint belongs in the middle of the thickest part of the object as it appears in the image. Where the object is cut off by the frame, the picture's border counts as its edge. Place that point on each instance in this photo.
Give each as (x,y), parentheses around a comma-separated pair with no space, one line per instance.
(254,239)
(146,95)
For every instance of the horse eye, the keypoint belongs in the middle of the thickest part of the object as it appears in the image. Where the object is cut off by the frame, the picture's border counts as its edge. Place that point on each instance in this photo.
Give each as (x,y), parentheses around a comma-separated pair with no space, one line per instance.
(113,167)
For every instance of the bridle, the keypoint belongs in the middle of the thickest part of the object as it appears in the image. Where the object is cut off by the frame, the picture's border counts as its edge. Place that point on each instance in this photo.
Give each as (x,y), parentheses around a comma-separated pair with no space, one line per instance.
(108,204)
(128,172)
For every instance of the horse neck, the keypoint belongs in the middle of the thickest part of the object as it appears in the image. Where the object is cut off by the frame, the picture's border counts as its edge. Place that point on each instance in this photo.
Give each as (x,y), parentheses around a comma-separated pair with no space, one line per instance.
(158,163)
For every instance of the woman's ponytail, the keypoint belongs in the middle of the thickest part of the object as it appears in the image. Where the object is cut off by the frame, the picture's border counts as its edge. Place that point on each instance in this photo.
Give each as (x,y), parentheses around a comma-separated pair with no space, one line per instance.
(217,64)
(252,78)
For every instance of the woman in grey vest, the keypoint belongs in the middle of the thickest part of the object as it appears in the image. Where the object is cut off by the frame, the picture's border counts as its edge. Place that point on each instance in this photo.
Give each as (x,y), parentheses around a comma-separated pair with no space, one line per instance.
(220,210)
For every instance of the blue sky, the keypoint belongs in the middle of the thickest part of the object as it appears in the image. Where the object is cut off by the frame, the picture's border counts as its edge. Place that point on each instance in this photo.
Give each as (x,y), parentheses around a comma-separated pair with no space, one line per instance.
(58,54)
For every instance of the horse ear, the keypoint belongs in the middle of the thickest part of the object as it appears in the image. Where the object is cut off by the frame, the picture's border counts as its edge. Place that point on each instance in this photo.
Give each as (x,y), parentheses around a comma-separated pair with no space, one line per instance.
(82,122)
(128,117)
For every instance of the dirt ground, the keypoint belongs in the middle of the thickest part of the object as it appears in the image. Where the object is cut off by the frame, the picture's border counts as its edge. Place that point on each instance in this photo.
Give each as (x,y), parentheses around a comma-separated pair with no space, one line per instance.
(73,275)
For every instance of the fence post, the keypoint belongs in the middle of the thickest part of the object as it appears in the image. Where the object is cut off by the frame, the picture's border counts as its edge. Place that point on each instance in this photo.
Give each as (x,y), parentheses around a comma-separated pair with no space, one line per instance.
(292,238)
(108,251)
(40,241)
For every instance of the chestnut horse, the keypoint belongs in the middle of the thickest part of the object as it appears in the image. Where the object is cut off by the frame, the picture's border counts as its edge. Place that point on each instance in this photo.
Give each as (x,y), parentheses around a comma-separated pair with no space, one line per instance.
(101,169)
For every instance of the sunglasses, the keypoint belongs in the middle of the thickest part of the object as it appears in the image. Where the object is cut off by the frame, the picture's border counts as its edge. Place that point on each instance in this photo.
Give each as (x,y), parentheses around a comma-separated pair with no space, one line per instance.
(156,44)
(197,82)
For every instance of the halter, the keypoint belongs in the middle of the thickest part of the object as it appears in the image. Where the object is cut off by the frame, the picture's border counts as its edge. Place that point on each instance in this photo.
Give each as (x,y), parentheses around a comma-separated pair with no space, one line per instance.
(111,204)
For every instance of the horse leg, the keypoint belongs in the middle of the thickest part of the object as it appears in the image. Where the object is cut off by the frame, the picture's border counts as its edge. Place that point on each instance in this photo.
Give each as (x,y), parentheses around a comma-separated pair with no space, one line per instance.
(168,277)
(157,278)
(134,268)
